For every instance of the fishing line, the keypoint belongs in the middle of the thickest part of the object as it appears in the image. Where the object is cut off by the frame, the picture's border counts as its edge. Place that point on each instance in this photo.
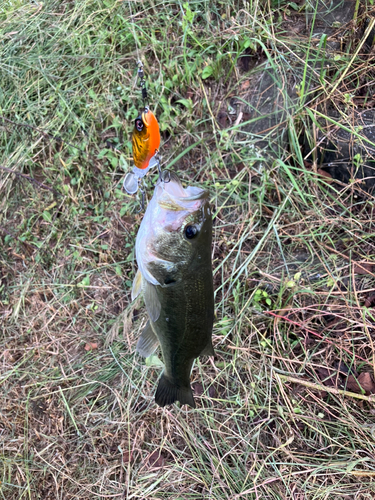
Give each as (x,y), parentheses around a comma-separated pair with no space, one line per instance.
(145,137)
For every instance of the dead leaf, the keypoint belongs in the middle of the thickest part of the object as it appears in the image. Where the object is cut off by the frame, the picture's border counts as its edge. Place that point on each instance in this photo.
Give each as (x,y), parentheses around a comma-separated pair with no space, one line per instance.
(223,120)
(323,173)
(198,389)
(364,381)
(322,394)
(212,391)
(370,301)
(334,322)
(352,384)
(90,346)
(245,85)
(365,268)
(127,457)
(343,369)
(282,313)
(156,459)
(8,356)
(327,377)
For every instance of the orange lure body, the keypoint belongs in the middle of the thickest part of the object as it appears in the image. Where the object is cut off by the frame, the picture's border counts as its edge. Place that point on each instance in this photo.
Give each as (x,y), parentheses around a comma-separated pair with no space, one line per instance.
(145,139)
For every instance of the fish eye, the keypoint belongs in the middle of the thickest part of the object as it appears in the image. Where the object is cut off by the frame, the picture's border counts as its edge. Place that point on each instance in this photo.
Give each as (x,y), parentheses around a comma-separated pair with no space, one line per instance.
(190,232)
(139,124)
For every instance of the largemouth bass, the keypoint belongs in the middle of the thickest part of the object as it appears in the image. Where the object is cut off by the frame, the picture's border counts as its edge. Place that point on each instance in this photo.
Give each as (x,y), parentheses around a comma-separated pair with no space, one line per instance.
(173,251)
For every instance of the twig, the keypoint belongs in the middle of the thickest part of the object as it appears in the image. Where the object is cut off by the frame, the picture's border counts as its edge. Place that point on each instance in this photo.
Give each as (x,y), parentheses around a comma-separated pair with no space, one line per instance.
(314,333)
(318,387)
(30,179)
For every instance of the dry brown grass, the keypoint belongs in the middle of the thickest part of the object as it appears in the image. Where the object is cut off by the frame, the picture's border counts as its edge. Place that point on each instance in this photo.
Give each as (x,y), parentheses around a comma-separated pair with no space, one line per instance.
(293,257)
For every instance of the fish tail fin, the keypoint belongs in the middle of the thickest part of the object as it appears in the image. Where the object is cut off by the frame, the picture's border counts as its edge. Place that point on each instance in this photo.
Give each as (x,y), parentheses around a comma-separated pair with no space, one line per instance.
(168,392)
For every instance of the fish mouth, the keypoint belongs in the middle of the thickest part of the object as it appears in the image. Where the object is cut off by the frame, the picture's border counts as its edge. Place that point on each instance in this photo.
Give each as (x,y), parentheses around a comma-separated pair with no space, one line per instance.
(173,196)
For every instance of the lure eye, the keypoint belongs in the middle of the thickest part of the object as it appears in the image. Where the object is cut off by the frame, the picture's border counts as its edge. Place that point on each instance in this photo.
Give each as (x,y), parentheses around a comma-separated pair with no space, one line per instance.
(139,124)
(190,232)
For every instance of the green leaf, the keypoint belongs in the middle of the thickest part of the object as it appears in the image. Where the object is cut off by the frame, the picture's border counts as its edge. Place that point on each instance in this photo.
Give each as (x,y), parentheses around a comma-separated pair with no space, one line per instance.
(330,282)
(247,43)
(123,162)
(47,216)
(207,72)
(189,15)
(323,41)
(187,103)
(85,281)
(124,210)
(86,69)
(154,360)
(102,153)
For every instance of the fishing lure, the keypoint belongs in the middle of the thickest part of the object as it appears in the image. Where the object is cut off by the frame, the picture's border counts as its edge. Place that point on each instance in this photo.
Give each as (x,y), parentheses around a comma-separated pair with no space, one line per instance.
(145,139)
(145,142)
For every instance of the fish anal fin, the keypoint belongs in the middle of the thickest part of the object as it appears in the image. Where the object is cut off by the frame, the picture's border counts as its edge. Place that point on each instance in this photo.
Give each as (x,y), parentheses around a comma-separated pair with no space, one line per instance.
(208,350)
(152,301)
(137,285)
(168,392)
(147,342)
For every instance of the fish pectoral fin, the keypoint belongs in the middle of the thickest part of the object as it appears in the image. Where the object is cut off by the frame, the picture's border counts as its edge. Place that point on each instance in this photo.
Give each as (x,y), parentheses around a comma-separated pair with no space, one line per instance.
(208,350)
(152,301)
(148,341)
(137,285)
(168,392)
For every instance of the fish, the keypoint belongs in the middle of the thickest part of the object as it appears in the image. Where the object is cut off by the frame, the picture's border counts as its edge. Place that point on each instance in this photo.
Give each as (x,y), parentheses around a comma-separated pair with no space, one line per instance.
(173,253)
(145,139)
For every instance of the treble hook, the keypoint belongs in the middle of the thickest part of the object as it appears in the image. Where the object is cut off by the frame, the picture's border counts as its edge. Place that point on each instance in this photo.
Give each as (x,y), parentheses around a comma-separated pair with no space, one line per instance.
(164,175)
(156,156)
(142,202)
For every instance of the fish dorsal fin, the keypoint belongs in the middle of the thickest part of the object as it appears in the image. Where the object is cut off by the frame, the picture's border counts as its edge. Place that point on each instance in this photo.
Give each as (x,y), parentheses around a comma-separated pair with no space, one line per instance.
(148,341)
(137,285)
(152,301)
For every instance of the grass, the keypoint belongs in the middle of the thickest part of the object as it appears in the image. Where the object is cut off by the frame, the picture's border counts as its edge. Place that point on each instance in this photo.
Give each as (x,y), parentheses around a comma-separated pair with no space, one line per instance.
(293,253)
